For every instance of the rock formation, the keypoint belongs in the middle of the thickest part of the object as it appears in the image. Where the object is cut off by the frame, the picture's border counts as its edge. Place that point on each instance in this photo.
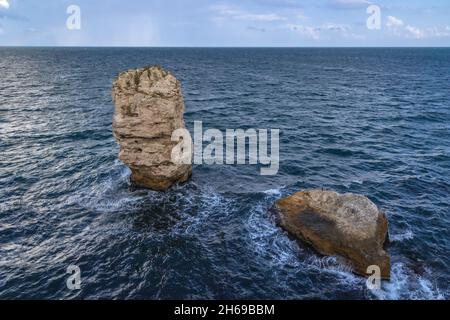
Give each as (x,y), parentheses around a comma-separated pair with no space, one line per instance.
(148,108)
(347,225)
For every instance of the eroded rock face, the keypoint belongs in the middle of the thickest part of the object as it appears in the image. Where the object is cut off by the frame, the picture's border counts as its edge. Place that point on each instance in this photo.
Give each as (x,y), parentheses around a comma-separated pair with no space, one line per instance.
(148,108)
(347,225)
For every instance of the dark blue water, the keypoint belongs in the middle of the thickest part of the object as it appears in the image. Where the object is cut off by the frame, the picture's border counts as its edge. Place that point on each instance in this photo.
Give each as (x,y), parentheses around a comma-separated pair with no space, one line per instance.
(369,121)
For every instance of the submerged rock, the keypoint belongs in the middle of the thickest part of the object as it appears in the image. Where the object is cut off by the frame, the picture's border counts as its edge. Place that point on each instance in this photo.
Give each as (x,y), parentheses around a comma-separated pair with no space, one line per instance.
(347,225)
(148,108)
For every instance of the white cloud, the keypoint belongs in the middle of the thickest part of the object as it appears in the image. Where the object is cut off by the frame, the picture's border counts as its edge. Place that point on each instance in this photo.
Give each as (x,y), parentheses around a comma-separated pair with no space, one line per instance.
(335,27)
(393,22)
(415,32)
(316,32)
(236,14)
(260,17)
(435,32)
(225,10)
(309,32)
(399,28)
(4,4)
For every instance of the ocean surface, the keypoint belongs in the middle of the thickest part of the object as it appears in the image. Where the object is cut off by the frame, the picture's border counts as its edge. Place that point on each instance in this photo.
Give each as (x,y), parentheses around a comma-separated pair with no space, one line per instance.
(368,121)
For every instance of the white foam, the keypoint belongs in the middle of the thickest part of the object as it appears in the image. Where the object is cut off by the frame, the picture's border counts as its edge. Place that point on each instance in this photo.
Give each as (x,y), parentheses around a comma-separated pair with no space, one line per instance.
(273,192)
(266,240)
(106,196)
(404,284)
(407,235)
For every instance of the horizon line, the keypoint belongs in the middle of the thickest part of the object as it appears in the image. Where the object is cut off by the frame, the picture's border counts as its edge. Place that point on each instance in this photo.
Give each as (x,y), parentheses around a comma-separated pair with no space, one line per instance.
(225,47)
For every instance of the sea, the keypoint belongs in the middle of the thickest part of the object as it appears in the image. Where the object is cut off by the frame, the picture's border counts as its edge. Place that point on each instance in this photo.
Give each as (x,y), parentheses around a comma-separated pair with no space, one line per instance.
(372,121)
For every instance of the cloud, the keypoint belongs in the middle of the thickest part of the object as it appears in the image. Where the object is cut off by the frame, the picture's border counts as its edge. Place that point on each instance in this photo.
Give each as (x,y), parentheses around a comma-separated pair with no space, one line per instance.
(260,17)
(237,14)
(393,22)
(415,32)
(435,32)
(348,4)
(399,28)
(316,32)
(309,32)
(4,4)
(335,27)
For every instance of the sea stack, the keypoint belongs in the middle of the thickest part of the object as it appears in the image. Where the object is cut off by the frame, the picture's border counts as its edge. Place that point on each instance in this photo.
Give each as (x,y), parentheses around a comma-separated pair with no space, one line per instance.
(149,107)
(347,225)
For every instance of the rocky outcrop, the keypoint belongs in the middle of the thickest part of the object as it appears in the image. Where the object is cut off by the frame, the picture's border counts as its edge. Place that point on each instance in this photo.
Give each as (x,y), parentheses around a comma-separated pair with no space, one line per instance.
(148,108)
(347,225)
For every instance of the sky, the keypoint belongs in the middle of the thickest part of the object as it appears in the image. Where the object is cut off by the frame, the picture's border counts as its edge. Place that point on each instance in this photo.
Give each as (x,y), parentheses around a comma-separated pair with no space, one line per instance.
(227,23)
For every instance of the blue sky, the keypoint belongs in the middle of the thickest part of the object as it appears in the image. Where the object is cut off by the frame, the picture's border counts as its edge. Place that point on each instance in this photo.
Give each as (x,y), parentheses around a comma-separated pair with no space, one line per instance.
(225,23)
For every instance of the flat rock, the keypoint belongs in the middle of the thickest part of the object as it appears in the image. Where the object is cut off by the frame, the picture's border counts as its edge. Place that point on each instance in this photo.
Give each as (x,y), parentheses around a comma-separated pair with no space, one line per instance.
(346,225)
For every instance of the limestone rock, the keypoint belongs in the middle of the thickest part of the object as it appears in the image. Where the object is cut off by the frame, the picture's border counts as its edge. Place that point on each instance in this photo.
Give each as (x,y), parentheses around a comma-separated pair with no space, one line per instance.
(148,108)
(346,225)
